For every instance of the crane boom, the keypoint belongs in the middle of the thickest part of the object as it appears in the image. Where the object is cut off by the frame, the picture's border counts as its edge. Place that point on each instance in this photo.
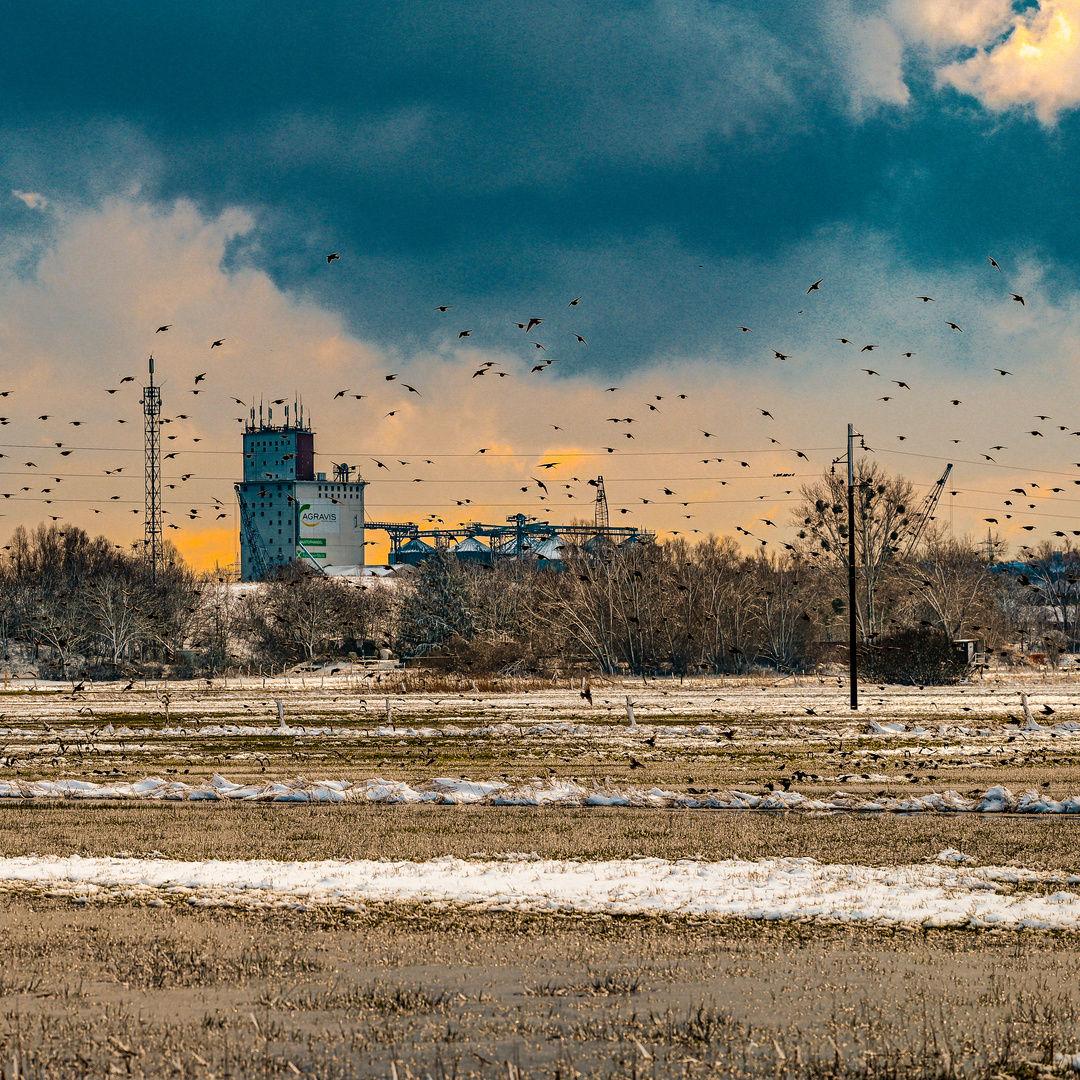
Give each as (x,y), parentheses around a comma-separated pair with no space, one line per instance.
(926,511)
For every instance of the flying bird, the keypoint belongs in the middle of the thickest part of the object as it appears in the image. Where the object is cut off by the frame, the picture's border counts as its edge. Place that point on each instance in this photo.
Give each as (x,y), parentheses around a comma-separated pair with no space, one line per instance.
(531,323)
(953,325)
(444,307)
(215,344)
(926,299)
(868,348)
(746,329)
(1018,298)
(993,262)
(161,328)
(464,333)
(816,285)
(574,302)
(332,256)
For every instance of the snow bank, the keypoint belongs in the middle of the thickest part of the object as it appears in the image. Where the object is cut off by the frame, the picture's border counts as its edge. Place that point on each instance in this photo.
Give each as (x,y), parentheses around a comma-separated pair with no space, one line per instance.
(535,792)
(931,895)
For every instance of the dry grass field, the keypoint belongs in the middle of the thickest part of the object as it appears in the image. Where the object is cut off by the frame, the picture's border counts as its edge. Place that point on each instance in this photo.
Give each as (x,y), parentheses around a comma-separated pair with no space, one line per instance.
(97,989)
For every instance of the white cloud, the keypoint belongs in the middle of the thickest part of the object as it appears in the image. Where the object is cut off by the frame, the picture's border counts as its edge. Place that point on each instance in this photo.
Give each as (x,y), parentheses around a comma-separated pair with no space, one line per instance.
(31,199)
(871,53)
(1006,59)
(1037,65)
(960,23)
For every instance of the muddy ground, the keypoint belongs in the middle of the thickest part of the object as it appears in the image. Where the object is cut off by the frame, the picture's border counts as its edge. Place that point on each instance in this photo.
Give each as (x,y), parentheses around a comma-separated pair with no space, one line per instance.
(89,991)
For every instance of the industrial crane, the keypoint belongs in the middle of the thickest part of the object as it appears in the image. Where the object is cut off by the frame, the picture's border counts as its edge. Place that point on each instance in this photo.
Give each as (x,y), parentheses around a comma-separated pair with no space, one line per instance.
(926,511)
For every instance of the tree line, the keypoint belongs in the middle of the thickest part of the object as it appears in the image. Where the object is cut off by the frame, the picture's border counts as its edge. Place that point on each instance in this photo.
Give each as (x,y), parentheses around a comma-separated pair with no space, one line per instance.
(72,604)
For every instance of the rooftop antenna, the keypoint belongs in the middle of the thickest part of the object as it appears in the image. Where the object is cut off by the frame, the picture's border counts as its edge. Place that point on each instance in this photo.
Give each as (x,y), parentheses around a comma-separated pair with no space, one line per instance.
(151,403)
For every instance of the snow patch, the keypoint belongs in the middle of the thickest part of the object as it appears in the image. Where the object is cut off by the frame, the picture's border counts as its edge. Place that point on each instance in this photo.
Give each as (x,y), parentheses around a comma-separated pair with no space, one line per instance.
(801,888)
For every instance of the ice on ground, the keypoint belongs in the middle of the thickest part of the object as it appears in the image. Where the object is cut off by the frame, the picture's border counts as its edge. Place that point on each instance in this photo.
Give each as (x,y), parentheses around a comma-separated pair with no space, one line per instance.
(535,792)
(771,889)
(952,855)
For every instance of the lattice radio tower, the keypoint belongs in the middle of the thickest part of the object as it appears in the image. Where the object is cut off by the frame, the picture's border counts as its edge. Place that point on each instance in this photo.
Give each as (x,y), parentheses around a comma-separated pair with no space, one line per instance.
(600,513)
(151,403)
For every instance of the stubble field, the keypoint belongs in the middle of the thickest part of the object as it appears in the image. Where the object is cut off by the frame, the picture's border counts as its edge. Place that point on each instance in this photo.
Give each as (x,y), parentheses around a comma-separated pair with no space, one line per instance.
(168,983)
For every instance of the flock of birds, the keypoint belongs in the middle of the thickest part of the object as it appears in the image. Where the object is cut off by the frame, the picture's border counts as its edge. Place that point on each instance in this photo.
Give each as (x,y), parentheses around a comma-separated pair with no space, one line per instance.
(641,438)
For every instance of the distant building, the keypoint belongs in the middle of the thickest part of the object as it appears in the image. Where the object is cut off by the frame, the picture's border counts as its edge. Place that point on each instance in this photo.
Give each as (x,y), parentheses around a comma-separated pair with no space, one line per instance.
(288,511)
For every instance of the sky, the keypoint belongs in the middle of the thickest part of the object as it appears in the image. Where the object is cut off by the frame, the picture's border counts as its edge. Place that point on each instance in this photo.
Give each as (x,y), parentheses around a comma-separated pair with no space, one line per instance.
(679,168)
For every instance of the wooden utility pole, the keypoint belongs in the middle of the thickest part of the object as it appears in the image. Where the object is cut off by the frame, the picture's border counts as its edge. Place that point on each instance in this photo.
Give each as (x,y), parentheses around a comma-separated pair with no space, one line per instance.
(853,663)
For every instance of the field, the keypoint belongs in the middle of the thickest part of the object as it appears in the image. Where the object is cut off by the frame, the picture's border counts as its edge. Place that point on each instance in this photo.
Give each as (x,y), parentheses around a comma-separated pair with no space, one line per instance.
(184,980)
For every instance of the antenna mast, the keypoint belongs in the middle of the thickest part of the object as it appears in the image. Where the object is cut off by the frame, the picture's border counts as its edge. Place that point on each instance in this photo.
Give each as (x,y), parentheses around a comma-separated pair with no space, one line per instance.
(601,511)
(151,403)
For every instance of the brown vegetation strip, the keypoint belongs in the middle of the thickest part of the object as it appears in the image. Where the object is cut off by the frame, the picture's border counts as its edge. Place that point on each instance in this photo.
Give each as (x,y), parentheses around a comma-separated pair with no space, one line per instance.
(294,832)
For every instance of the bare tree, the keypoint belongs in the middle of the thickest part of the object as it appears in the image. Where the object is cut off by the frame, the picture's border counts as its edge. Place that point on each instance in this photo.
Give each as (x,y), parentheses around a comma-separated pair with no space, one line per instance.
(883,522)
(953,587)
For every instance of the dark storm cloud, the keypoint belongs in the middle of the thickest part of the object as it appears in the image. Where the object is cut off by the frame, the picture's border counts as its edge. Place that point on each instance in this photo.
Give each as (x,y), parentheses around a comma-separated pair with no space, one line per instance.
(498,155)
